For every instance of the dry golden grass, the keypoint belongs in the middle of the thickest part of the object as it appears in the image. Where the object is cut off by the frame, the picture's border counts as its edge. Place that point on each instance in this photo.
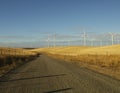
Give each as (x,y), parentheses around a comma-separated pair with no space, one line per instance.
(15,52)
(109,61)
(12,57)
(81,50)
(73,50)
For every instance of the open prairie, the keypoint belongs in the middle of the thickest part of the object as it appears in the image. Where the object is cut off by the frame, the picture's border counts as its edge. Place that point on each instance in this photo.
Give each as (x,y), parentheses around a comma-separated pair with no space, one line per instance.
(102,59)
(80,50)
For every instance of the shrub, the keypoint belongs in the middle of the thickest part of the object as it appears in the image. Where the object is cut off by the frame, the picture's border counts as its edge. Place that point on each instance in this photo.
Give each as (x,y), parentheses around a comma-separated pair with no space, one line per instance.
(9,60)
(2,61)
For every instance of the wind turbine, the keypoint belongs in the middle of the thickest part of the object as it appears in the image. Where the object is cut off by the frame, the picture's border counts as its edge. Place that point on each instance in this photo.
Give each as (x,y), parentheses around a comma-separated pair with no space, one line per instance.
(118,38)
(112,37)
(84,37)
(48,40)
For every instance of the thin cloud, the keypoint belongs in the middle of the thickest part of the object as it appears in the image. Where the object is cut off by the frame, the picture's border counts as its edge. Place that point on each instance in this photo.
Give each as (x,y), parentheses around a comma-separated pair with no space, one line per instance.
(64,36)
(79,28)
(14,36)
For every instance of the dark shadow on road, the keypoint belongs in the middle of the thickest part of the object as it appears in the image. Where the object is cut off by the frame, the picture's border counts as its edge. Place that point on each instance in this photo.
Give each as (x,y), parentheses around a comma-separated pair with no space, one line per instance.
(20,85)
(24,72)
(32,78)
(59,90)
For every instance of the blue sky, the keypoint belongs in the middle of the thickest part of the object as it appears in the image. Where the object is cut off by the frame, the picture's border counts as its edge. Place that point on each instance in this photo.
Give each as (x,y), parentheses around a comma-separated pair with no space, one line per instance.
(31,20)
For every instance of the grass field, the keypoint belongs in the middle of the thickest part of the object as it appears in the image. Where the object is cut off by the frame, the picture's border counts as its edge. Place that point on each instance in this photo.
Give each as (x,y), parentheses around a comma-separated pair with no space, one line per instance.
(102,59)
(11,58)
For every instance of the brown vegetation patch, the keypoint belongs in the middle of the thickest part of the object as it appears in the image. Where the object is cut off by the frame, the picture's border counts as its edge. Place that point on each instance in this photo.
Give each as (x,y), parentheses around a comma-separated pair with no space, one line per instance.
(11,58)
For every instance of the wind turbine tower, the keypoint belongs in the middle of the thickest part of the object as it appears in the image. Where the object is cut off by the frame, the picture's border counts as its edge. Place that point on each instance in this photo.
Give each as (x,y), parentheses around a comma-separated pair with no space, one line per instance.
(48,40)
(112,37)
(84,37)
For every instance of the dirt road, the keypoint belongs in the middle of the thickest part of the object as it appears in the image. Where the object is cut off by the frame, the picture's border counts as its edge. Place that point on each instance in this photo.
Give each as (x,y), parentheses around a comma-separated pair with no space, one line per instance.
(47,75)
